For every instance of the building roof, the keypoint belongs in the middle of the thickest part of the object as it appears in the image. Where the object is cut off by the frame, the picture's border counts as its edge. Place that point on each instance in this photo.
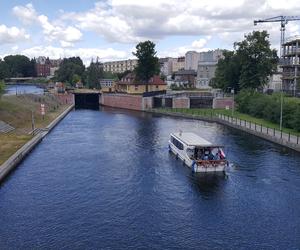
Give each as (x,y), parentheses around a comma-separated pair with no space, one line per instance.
(192,139)
(129,79)
(186,72)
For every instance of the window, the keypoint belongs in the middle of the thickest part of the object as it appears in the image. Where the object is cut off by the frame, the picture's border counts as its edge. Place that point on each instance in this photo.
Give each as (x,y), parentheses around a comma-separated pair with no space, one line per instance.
(177,143)
(156,86)
(136,87)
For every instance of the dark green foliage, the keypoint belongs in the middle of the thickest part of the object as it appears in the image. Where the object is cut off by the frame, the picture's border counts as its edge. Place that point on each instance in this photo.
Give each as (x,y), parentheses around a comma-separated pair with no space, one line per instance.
(16,66)
(228,72)
(268,107)
(121,75)
(68,68)
(148,64)
(249,66)
(4,70)
(93,75)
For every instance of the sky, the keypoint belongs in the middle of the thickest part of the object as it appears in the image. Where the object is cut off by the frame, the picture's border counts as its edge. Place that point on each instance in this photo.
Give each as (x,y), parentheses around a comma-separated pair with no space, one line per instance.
(110,29)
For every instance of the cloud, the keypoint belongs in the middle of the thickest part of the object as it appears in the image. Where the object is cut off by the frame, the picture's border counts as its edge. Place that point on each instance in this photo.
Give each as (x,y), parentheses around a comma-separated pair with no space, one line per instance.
(197,45)
(132,21)
(12,34)
(26,14)
(59,31)
(86,54)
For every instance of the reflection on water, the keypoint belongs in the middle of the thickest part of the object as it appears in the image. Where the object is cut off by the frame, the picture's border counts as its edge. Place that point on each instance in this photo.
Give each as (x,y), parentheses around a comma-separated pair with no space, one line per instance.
(208,184)
(105,179)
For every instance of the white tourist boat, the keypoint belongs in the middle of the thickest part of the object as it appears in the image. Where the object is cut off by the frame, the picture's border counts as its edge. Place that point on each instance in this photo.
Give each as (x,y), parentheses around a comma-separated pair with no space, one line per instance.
(197,153)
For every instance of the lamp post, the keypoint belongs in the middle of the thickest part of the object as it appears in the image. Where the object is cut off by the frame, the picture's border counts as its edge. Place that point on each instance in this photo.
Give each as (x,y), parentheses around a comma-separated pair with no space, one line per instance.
(281,107)
(232,107)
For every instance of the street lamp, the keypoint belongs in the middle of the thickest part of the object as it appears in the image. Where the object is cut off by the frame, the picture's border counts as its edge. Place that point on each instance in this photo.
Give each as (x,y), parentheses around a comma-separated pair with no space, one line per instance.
(232,107)
(281,107)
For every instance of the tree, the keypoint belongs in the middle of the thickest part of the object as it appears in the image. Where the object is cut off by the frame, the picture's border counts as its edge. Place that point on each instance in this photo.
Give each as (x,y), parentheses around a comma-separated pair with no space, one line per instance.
(258,61)
(19,66)
(227,72)
(94,74)
(4,70)
(68,68)
(148,64)
(249,65)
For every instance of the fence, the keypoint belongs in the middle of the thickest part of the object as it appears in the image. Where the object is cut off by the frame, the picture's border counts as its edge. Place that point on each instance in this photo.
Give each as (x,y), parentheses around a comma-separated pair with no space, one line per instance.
(259,128)
(237,122)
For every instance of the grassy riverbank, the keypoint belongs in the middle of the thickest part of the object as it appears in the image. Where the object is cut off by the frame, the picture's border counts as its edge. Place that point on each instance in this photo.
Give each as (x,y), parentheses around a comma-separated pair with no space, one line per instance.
(17,112)
(214,112)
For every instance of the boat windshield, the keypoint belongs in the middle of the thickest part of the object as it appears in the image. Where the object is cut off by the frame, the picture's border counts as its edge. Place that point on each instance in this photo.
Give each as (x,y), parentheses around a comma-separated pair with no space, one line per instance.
(209,153)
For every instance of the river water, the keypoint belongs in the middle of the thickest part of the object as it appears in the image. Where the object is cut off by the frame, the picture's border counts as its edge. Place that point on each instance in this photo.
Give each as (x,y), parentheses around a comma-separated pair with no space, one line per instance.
(105,180)
(19,89)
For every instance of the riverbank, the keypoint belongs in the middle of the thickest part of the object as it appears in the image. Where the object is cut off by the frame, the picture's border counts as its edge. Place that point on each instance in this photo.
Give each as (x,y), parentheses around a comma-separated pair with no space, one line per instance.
(13,161)
(17,111)
(272,134)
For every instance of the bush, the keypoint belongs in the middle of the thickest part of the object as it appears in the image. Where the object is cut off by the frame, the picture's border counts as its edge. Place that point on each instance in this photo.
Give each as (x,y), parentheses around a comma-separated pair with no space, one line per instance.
(268,107)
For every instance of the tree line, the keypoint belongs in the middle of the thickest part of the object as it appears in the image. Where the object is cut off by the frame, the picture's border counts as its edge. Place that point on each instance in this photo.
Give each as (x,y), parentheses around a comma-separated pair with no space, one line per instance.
(17,66)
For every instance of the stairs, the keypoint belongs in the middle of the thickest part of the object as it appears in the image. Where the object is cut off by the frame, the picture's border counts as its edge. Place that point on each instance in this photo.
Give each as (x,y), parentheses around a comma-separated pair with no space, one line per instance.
(5,128)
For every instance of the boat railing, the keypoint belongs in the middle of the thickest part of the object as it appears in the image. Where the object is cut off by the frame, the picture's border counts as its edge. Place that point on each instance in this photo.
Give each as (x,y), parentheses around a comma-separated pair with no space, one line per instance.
(211,163)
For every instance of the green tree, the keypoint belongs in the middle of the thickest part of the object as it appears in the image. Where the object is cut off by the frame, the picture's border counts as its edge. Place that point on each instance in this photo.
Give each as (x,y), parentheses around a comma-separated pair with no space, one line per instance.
(227,73)
(19,66)
(68,68)
(249,65)
(4,70)
(148,64)
(93,75)
(257,59)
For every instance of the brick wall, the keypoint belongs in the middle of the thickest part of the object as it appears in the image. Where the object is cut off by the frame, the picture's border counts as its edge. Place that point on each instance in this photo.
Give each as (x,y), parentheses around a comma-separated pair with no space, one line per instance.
(122,101)
(180,103)
(65,98)
(221,103)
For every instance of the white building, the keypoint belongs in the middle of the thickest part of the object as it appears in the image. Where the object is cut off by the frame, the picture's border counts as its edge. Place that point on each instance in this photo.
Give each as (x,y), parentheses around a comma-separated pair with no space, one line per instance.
(192,60)
(275,81)
(178,64)
(120,66)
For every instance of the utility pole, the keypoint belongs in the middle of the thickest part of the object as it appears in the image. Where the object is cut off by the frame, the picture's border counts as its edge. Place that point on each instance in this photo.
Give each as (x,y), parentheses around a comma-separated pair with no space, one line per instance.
(281,108)
(232,108)
(32,121)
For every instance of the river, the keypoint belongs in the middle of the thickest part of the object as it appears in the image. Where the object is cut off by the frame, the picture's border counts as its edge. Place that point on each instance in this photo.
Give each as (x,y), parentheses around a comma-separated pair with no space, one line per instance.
(105,180)
(19,89)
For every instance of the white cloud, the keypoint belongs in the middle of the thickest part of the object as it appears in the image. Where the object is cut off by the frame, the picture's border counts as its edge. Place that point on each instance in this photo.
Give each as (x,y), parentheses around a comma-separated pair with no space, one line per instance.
(58,31)
(86,54)
(26,14)
(197,45)
(12,34)
(131,21)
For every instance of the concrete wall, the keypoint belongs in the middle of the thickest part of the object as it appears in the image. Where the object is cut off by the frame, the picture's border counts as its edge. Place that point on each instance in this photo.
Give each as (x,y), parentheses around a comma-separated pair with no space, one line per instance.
(181,102)
(221,103)
(17,157)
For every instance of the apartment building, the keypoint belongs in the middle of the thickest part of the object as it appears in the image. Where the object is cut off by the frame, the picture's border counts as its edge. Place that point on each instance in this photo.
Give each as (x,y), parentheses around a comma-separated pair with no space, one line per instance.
(120,66)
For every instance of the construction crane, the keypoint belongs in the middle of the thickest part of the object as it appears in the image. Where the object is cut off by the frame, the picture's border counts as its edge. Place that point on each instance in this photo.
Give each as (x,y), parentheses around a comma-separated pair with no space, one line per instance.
(283,21)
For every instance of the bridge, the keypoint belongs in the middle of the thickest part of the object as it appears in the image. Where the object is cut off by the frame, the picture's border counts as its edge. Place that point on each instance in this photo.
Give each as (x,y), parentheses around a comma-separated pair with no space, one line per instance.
(19,79)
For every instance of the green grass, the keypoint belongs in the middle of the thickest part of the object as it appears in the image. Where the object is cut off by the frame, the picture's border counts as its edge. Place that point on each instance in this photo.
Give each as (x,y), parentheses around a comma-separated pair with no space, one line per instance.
(16,111)
(214,112)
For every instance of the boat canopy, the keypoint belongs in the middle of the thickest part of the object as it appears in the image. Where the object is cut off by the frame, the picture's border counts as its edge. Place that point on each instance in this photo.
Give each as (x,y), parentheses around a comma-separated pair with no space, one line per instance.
(192,139)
